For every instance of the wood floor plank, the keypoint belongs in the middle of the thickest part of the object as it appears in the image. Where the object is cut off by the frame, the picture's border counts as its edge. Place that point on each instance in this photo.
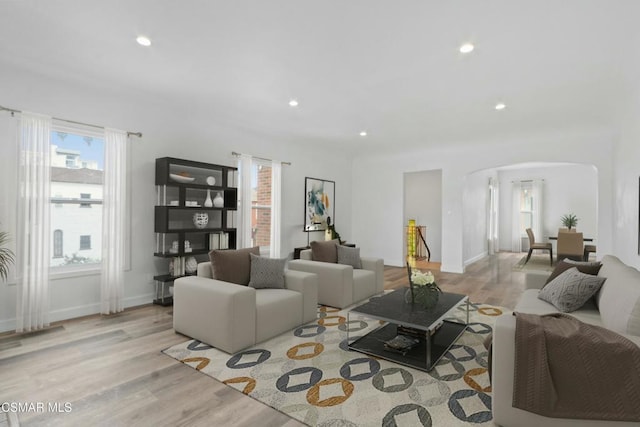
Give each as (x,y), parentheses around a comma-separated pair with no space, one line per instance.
(112,372)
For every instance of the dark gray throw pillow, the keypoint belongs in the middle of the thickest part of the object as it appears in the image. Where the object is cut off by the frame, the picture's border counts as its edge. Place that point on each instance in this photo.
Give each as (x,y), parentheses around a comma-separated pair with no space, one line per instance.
(232,266)
(325,251)
(584,267)
(349,256)
(267,272)
(570,290)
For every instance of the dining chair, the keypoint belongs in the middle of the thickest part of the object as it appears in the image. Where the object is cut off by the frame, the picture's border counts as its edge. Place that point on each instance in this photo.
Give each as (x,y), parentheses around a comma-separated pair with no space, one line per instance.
(534,245)
(588,250)
(570,245)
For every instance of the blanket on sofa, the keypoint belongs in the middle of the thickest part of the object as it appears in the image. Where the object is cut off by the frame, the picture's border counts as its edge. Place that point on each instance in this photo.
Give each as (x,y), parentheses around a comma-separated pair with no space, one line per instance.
(565,368)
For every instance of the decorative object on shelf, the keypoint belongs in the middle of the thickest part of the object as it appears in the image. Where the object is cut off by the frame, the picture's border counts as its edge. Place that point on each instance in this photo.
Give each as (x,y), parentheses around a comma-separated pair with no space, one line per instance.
(218,201)
(422,288)
(174,247)
(200,219)
(208,203)
(569,220)
(187,246)
(181,178)
(319,203)
(330,233)
(211,180)
(191,265)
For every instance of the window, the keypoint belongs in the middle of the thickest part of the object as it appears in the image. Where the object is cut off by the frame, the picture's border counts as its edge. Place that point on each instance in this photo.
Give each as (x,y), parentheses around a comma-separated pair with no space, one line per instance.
(85,242)
(85,196)
(57,244)
(76,187)
(261,205)
(526,207)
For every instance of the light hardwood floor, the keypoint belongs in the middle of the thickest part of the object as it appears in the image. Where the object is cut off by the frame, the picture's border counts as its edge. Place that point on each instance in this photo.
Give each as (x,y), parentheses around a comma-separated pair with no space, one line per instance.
(112,372)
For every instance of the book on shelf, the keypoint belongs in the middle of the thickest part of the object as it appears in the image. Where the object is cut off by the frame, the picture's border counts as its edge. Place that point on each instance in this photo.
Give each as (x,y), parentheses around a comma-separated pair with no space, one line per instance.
(219,240)
(177,267)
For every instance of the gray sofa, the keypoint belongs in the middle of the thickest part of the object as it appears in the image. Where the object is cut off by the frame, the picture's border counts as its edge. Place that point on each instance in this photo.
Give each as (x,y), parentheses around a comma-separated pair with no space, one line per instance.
(232,317)
(341,285)
(616,307)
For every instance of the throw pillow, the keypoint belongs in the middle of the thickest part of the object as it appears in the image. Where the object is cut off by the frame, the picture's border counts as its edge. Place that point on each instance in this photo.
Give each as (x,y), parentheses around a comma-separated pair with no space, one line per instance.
(232,266)
(267,272)
(570,290)
(325,251)
(349,256)
(591,268)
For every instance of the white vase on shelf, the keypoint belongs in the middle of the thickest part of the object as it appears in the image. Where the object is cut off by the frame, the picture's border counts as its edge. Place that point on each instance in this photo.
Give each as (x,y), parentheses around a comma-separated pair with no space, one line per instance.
(208,203)
(218,201)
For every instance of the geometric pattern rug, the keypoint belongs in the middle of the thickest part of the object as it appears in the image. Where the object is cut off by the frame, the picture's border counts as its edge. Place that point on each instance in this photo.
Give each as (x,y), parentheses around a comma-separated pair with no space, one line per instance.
(537,263)
(309,374)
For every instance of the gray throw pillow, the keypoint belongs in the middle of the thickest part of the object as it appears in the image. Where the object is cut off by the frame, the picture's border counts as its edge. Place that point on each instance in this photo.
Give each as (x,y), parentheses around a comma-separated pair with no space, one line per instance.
(349,256)
(584,267)
(570,290)
(325,251)
(232,266)
(267,272)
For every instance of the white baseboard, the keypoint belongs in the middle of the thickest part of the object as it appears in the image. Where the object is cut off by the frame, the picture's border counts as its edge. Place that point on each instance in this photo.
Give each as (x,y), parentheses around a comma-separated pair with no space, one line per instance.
(476,258)
(80,311)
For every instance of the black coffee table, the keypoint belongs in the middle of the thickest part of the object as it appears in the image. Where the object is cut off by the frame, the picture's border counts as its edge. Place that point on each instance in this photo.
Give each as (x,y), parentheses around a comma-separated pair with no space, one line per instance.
(438,327)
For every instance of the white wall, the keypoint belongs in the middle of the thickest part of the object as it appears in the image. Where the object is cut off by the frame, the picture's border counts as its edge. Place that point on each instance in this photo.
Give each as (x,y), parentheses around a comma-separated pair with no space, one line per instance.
(475,199)
(588,146)
(423,202)
(170,129)
(627,169)
(566,189)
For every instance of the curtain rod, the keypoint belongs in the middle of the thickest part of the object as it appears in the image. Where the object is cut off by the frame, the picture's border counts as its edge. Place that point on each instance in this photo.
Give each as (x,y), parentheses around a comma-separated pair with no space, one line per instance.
(527,180)
(13,111)
(261,158)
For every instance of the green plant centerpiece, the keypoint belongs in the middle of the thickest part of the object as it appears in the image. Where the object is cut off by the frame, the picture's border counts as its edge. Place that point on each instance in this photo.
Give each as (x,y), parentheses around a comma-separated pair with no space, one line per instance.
(423,289)
(6,255)
(569,221)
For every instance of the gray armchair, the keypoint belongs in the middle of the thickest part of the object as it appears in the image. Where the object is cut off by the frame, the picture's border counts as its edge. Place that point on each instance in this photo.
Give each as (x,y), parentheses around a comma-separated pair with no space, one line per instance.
(232,317)
(341,285)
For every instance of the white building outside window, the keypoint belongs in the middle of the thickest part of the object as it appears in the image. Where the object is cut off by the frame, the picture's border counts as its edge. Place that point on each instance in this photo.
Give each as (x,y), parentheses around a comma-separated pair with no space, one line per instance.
(77,161)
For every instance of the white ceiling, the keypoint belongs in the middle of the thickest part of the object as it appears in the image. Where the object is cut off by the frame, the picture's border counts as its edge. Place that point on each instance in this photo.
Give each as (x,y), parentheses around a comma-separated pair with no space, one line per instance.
(390,67)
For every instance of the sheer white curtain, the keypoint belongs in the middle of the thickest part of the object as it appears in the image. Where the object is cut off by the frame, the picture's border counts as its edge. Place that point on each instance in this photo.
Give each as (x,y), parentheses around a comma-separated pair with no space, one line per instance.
(516,232)
(32,310)
(114,211)
(276,215)
(536,209)
(492,216)
(244,166)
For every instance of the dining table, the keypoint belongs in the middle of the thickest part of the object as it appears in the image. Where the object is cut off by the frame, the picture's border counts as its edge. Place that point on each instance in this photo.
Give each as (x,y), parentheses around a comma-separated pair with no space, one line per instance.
(586,239)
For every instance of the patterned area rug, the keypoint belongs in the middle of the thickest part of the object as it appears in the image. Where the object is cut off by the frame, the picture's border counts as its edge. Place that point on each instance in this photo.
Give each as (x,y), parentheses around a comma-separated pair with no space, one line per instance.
(309,374)
(538,263)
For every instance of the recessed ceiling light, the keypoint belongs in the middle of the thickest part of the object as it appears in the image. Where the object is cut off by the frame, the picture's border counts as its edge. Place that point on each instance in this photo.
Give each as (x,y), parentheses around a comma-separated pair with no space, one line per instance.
(293,103)
(500,106)
(143,41)
(363,133)
(466,48)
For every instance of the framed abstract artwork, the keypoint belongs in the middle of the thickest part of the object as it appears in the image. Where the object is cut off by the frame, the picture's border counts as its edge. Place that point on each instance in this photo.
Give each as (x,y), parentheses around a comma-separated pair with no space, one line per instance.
(319,203)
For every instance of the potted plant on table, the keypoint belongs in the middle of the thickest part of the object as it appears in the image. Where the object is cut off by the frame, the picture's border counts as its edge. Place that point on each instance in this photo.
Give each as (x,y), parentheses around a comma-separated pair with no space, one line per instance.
(569,221)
